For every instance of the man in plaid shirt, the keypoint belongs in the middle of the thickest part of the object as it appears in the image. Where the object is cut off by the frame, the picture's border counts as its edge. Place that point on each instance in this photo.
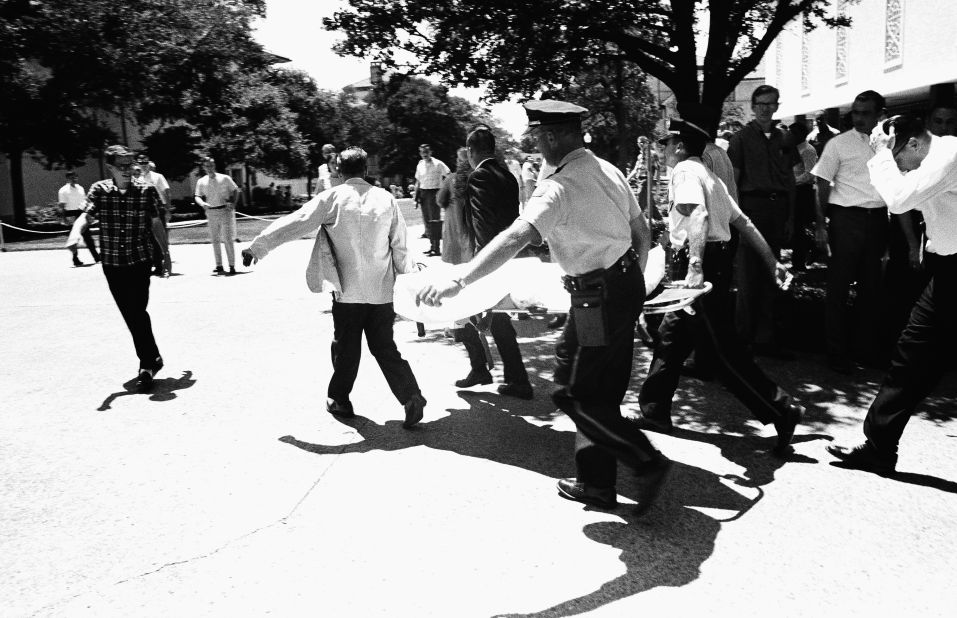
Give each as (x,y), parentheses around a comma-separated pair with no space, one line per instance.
(126,211)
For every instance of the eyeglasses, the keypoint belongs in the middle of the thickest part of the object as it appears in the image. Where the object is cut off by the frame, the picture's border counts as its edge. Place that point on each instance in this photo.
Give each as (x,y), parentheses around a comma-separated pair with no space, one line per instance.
(123,166)
(766,104)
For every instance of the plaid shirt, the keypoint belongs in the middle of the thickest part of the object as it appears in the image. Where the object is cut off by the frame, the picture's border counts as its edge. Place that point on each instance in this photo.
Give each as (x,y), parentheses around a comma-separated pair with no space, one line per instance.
(126,231)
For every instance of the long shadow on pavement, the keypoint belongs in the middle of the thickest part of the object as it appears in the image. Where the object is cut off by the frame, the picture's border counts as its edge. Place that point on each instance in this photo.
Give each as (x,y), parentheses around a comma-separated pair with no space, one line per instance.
(665,547)
(163,390)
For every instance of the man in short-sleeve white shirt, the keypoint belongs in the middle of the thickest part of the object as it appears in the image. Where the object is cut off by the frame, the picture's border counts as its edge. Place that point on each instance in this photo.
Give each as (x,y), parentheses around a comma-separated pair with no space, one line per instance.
(71,198)
(217,193)
(429,173)
(855,235)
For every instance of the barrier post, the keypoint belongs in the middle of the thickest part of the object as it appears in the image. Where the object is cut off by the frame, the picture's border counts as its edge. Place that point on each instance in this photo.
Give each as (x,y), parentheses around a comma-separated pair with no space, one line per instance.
(3,247)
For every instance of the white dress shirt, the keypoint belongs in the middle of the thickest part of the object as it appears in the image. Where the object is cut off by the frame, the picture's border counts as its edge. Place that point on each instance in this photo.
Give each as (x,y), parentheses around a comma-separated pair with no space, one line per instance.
(159,181)
(215,190)
(843,163)
(73,196)
(360,247)
(327,179)
(429,174)
(931,189)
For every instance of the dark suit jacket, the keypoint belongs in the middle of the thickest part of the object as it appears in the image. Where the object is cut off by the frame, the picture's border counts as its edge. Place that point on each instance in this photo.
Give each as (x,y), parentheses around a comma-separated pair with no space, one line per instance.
(492,193)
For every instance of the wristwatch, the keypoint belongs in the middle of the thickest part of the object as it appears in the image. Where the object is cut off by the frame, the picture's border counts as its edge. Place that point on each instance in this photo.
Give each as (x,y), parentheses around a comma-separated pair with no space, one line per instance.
(694,264)
(459,282)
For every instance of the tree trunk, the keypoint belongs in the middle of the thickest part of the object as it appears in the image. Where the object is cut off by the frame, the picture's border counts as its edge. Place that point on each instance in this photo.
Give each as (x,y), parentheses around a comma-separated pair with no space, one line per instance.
(16,185)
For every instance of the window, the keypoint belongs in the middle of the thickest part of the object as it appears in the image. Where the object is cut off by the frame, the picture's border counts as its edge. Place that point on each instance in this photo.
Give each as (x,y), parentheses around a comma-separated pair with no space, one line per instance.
(894,34)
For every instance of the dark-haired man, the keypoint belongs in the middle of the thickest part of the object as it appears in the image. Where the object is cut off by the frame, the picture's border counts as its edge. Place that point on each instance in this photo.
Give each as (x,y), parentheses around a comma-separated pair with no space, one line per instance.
(360,248)
(216,194)
(71,199)
(926,346)
(852,227)
(599,236)
(127,212)
(429,173)
(492,205)
(763,158)
(701,214)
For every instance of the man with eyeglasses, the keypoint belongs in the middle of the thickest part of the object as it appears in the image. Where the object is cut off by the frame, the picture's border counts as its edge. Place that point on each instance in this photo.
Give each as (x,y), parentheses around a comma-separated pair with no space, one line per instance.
(763,158)
(127,211)
(913,170)
(852,228)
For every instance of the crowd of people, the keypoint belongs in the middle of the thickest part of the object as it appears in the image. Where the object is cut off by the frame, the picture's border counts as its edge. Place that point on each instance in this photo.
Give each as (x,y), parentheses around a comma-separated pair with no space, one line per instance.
(729,214)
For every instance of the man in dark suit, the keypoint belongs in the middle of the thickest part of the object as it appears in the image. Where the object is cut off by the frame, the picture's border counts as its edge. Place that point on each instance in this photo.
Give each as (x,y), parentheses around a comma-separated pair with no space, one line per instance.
(492,194)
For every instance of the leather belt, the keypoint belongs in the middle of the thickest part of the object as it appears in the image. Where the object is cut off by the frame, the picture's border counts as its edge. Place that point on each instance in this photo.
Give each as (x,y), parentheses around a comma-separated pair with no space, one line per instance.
(596,278)
(215,207)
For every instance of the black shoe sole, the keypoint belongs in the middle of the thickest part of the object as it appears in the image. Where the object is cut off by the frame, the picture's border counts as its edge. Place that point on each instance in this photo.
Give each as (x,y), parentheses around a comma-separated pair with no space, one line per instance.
(469,384)
(589,501)
(848,463)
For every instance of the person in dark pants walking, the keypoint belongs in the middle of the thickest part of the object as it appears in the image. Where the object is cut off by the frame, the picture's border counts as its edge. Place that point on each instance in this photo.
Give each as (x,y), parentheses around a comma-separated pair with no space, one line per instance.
(127,211)
(71,199)
(701,215)
(492,205)
(599,236)
(360,247)
(925,348)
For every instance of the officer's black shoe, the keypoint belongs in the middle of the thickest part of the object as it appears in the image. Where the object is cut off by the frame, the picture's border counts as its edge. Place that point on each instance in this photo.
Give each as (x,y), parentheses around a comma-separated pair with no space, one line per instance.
(342,409)
(512,389)
(864,457)
(77,262)
(602,497)
(650,423)
(474,378)
(414,410)
(791,416)
(652,478)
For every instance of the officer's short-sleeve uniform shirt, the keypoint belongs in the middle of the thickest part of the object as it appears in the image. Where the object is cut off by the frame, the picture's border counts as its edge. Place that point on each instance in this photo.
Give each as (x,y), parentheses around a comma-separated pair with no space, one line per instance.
(584,209)
(693,183)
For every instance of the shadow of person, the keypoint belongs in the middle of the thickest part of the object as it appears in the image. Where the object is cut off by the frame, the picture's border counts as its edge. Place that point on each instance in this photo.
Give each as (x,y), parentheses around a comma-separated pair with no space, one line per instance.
(163,390)
(665,547)
(911,478)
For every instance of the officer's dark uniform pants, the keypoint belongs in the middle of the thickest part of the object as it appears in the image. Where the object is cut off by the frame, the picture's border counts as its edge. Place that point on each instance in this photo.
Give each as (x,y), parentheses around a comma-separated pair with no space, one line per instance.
(598,382)
(921,356)
(711,333)
(349,321)
(504,335)
(130,286)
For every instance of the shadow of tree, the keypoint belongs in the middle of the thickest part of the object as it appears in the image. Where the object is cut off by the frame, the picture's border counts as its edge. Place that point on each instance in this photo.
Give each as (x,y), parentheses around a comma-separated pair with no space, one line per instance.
(163,389)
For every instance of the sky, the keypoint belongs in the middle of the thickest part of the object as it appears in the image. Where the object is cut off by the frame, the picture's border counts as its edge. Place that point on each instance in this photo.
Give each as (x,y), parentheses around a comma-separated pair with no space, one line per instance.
(293,29)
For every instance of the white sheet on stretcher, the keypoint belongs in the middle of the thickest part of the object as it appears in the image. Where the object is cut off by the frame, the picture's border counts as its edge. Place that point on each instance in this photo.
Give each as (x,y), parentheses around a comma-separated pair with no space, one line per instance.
(522,284)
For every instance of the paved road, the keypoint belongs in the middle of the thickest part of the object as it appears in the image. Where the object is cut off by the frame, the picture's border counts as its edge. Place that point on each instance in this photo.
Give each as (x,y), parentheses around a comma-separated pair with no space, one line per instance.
(229,491)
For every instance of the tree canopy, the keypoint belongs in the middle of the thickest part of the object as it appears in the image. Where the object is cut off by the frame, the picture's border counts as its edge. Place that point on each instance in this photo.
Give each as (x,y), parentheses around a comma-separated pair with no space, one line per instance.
(527,46)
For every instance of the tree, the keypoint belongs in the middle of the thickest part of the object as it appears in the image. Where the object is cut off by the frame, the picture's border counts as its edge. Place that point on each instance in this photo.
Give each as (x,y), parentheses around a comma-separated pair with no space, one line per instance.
(525,46)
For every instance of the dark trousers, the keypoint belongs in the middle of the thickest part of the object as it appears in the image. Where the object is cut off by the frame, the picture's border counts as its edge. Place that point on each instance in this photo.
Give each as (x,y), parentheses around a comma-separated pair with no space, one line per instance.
(802,238)
(710,333)
(430,209)
(130,286)
(597,385)
(349,321)
(920,358)
(504,335)
(858,240)
(756,291)
(903,284)
(86,235)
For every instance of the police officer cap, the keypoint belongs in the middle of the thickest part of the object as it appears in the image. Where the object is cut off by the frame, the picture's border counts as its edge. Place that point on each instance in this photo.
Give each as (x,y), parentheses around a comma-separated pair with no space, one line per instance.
(552,112)
(676,126)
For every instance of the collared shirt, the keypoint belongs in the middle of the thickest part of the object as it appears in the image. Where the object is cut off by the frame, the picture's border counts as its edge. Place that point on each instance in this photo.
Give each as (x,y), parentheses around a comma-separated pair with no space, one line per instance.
(215,190)
(765,163)
(159,181)
(693,183)
(73,196)
(429,174)
(802,170)
(717,160)
(327,179)
(584,209)
(843,163)
(931,189)
(366,236)
(125,217)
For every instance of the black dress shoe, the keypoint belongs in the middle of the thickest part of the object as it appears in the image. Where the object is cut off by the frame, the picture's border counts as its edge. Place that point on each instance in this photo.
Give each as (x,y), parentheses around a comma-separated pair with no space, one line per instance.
(77,262)
(649,423)
(413,410)
(232,270)
(342,409)
(511,389)
(474,378)
(218,270)
(144,381)
(602,497)
(652,478)
(864,457)
(791,416)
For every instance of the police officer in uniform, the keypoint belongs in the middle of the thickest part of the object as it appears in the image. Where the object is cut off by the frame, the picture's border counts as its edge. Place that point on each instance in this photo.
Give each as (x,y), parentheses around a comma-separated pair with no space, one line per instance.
(600,238)
(701,215)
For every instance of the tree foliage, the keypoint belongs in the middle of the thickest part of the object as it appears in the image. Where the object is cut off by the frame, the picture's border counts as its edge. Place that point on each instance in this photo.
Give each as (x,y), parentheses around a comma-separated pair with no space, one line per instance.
(526,46)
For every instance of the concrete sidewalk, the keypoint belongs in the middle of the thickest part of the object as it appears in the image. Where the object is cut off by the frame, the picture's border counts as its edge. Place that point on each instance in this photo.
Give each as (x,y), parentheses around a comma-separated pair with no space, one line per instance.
(230,491)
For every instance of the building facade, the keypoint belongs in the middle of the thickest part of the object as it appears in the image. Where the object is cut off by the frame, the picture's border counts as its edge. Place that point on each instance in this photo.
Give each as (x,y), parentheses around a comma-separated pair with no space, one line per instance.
(904,49)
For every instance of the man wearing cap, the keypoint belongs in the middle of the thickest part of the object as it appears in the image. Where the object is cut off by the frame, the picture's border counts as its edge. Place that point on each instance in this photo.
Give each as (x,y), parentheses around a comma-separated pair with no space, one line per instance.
(701,214)
(600,238)
(763,160)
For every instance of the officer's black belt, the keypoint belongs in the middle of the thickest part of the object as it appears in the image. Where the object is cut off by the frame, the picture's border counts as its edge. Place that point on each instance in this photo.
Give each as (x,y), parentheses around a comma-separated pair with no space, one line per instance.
(596,278)
(767,195)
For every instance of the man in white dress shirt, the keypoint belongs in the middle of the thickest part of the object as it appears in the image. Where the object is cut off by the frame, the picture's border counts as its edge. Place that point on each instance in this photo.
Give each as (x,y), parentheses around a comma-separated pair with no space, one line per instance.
(914,170)
(362,230)
(217,194)
(71,198)
(328,172)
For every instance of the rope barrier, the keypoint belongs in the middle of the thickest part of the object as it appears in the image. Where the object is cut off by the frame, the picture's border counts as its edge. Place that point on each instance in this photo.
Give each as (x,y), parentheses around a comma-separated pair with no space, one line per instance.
(241,214)
(13,227)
